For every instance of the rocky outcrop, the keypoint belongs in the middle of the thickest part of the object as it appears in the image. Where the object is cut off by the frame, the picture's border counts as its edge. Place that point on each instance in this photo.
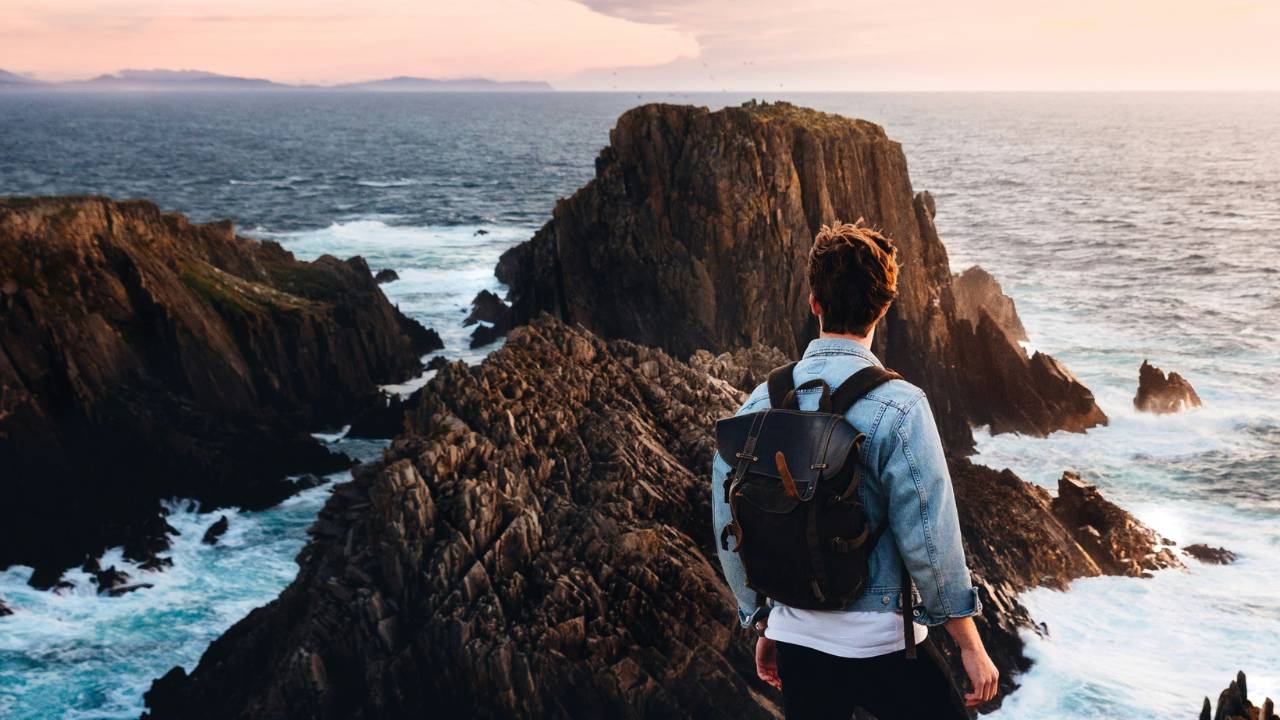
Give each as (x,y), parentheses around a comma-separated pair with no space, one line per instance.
(215,531)
(488,308)
(1211,555)
(1161,394)
(1233,704)
(1018,536)
(142,357)
(694,235)
(743,369)
(386,275)
(539,544)
(977,292)
(4,609)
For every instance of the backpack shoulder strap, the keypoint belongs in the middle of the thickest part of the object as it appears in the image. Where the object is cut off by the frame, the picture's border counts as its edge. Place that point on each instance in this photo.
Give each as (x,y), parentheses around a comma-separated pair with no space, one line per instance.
(781,384)
(858,384)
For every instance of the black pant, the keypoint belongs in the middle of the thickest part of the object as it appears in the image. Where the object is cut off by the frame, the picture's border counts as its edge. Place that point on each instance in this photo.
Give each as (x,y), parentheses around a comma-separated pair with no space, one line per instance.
(818,686)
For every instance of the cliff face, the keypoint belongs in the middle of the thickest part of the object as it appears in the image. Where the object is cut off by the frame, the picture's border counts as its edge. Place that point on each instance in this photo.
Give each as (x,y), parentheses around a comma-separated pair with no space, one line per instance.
(539,544)
(143,357)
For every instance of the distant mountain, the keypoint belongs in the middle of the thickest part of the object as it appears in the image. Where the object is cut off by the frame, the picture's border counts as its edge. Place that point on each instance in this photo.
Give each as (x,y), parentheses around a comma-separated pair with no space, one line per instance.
(202,81)
(417,84)
(188,80)
(8,80)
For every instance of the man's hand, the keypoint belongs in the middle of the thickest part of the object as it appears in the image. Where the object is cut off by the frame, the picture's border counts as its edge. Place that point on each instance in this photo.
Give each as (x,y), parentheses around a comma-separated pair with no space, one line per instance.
(767,662)
(982,673)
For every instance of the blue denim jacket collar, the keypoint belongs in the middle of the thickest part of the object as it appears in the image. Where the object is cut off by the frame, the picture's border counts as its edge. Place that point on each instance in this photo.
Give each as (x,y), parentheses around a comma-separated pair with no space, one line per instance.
(839,346)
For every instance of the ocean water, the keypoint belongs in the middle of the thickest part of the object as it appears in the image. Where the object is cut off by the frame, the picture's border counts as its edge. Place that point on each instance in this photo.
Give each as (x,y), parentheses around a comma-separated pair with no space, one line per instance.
(1125,226)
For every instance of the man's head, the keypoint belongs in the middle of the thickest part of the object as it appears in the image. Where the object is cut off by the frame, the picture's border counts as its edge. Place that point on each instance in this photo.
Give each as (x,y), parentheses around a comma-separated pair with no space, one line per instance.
(853,277)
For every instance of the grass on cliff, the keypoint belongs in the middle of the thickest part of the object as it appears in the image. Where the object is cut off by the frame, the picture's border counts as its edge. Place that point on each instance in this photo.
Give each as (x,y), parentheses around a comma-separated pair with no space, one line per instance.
(234,294)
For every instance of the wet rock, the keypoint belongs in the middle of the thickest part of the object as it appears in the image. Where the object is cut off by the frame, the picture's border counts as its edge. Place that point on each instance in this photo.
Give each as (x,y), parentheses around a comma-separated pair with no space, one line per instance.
(126,589)
(1234,704)
(1161,394)
(437,362)
(4,609)
(977,292)
(695,232)
(489,308)
(1114,539)
(386,275)
(538,543)
(146,357)
(109,580)
(216,531)
(156,564)
(1213,555)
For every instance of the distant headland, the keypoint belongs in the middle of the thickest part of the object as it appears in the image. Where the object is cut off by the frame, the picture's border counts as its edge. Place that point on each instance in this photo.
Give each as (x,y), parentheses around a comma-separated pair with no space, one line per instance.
(202,81)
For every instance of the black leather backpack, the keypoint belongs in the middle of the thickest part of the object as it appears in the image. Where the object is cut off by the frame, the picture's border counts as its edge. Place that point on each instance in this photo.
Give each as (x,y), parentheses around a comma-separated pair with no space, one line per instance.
(798,523)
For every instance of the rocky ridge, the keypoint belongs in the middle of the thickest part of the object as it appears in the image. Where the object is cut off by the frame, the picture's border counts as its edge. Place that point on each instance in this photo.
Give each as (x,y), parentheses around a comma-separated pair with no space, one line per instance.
(694,235)
(539,544)
(143,356)
(1233,704)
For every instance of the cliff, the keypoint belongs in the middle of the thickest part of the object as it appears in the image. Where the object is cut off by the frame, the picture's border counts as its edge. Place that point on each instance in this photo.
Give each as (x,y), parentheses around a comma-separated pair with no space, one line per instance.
(539,544)
(1161,394)
(695,231)
(145,357)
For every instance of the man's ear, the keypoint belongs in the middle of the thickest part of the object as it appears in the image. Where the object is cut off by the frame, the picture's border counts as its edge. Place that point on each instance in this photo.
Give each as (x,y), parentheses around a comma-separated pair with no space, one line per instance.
(814,307)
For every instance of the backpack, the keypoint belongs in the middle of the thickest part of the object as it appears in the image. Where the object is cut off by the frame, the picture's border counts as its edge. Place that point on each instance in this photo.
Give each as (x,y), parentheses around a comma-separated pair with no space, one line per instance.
(798,524)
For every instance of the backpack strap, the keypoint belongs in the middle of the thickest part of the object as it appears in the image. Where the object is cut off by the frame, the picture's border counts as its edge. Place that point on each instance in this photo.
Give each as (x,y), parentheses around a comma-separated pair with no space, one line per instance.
(781,383)
(857,385)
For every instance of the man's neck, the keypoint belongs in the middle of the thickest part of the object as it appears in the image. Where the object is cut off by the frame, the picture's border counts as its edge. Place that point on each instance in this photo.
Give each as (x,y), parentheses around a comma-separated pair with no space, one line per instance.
(863,340)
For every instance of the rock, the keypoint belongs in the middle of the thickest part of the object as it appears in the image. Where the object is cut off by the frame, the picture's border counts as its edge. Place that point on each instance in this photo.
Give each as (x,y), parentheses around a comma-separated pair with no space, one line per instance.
(4,609)
(216,531)
(1160,394)
(437,362)
(1233,704)
(109,580)
(694,235)
(156,564)
(126,589)
(743,369)
(538,543)
(488,307)
(977,292)
(481,231)
(386,275)
(1114,539)
(146,357)
(1212,555)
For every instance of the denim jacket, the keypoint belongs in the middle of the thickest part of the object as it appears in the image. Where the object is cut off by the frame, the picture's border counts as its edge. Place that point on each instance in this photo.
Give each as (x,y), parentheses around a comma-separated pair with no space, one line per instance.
(905,479)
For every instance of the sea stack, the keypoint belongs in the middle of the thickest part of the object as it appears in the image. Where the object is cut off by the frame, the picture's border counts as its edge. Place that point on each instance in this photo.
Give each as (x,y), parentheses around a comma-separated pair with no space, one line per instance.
(146,357)
(694,235)
(1162,394)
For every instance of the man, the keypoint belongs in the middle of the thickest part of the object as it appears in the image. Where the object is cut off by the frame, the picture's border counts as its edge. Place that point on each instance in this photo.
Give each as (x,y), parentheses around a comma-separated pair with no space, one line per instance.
(829,662)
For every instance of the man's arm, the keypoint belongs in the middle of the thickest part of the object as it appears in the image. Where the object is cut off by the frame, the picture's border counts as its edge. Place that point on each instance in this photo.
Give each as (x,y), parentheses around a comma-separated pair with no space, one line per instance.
(926,526)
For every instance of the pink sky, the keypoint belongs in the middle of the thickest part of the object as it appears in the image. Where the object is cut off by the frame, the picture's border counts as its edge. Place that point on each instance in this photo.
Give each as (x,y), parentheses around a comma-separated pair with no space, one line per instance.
(666,44)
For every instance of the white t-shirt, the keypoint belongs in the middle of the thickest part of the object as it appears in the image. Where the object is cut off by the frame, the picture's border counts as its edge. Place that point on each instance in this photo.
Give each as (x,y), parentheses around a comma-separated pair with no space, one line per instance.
(850,634)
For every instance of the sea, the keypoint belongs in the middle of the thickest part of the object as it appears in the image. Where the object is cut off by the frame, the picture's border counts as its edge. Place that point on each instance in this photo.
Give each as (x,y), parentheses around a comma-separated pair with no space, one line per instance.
(1127,227)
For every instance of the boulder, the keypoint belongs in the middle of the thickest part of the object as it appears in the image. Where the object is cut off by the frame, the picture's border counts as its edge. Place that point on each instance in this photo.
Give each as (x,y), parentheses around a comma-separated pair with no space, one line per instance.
(146,357)
(386,275)
(1161,394)
(489,308)
(538,543)
(216,531)
(1212,555)
(695,231)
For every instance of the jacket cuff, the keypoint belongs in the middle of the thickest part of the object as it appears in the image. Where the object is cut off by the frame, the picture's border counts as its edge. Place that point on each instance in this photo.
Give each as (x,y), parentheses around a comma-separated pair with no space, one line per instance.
(970,606)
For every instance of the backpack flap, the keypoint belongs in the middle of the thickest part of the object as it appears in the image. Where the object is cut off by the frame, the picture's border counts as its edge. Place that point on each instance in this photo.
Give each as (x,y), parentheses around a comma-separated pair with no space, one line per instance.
(814,445)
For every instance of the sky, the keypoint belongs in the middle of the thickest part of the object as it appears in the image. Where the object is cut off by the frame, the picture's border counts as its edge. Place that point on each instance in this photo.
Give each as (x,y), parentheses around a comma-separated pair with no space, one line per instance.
(796,45)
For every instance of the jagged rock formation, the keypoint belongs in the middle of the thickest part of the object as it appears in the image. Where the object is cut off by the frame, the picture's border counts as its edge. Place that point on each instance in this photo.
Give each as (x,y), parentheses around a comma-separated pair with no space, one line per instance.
(539,544)
(488,307)
(1233,704)
(386,275)
(1160,394)
(142,357)
(695,232)
(1211,555)
(1017,536)
(977,292)
(216,531)
(743,369)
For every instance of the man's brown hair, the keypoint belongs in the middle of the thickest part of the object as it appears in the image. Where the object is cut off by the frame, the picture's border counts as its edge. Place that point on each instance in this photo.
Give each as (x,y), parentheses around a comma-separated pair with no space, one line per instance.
(853,274)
